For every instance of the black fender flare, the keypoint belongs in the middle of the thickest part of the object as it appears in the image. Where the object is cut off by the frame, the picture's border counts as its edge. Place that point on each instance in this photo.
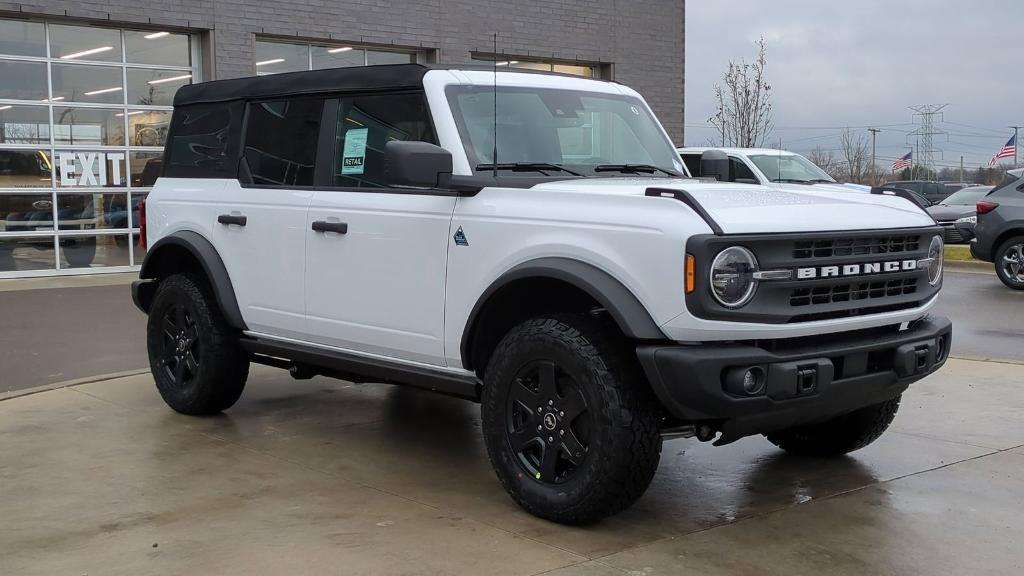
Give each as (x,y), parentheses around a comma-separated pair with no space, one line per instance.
(623,306)
(213,267)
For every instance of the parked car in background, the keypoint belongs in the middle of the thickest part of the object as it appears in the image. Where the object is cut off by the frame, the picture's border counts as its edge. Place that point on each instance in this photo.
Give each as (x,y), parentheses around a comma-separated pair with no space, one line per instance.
(1000,229)
(934,191)
(956,214)
(779,169)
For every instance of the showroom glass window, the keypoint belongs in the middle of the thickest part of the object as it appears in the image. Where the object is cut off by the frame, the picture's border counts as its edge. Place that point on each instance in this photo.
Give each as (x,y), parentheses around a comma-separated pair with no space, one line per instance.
(274,57)
(83,119)
(584,69)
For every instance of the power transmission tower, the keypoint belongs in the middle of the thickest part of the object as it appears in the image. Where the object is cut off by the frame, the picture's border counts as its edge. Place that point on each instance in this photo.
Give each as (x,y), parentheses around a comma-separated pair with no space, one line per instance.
(926,132)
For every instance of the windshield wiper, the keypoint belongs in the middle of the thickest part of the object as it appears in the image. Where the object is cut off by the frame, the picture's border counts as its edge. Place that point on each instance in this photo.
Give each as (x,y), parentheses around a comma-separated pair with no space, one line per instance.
(633,169)
(793,181)
(527,167)
(821,181)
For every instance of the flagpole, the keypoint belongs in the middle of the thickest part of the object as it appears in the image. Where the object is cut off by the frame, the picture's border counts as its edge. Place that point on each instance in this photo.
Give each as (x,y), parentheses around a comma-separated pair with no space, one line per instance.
(1015,129)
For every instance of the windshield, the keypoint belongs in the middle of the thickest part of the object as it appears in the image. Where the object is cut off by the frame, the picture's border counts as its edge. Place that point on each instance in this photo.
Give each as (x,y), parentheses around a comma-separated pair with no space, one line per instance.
(967,196)
(586,133)
(789,167)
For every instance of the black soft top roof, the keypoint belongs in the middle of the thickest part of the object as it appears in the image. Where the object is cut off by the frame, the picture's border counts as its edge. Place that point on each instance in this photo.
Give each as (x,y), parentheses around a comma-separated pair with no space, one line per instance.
(356,78)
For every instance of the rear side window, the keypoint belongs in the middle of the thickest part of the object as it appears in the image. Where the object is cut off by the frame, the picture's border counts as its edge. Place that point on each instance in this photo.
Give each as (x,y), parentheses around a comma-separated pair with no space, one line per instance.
(203,141)
(366,124)
(281,142)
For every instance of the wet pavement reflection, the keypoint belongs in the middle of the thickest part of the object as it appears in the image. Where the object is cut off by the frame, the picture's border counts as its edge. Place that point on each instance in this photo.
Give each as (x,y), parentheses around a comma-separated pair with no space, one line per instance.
(308,476)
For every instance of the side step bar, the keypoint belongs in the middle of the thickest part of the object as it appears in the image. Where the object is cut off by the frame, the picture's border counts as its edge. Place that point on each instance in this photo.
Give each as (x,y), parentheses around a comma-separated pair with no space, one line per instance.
(307,360)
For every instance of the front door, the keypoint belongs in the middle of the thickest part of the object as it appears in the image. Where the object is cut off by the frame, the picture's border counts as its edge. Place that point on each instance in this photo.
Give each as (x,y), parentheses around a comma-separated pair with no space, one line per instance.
(376,256)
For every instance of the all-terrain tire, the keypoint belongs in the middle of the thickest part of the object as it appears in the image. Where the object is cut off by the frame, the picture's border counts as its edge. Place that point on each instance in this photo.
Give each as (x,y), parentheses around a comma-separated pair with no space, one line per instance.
(840,435)
(622,445)
(187,329)
(1012,248)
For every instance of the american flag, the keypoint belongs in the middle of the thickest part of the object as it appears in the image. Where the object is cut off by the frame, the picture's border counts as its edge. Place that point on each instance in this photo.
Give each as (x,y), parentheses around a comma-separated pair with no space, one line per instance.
(903,162)
(1008,151)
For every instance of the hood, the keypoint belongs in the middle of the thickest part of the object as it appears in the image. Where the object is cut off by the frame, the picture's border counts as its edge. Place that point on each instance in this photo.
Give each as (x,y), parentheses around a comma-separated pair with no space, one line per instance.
(820,187)
(750,209)
(944,213)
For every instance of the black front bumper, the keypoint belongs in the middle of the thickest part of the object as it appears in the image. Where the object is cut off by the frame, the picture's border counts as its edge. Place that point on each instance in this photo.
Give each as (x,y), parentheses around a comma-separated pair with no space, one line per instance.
(803,380)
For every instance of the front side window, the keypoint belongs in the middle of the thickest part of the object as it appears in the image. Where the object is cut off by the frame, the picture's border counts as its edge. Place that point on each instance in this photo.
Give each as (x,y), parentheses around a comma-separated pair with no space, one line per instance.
(589,133)
(366,124)
(789,168)
(281,141)
(738,170)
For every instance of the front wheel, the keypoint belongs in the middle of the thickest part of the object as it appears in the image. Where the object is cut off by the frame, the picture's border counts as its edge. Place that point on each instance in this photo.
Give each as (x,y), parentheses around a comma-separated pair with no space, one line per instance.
(194,355)
(568,420)
(840,435)
(1009,261)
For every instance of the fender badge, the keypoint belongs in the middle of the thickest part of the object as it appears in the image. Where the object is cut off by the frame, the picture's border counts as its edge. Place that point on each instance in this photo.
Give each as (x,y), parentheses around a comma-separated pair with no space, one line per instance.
(460,238)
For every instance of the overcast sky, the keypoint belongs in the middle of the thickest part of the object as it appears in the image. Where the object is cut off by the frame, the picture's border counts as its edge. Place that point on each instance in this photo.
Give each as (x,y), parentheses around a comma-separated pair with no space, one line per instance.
(861,63)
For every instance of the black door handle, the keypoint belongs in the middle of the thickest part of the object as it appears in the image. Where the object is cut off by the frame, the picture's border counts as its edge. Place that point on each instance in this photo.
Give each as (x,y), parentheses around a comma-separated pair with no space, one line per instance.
(324,226)
(232,219)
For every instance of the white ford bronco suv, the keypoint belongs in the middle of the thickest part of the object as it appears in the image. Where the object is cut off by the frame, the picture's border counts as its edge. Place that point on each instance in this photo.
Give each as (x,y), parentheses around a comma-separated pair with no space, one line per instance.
(543,253)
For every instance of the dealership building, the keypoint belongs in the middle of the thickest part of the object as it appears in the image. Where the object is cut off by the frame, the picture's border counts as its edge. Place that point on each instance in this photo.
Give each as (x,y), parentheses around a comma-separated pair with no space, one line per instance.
(86,88)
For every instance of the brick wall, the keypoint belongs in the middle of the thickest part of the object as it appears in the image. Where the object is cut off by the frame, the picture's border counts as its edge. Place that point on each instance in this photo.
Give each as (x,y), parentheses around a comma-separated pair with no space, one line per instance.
(641,39)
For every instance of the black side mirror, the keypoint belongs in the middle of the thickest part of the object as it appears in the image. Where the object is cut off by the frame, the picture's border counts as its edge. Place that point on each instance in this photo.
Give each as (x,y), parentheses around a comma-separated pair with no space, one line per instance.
(416,164)
(714,164)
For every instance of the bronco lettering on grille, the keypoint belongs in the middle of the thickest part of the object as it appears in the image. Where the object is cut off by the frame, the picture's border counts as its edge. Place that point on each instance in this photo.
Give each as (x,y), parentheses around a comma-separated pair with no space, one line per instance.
(812,272)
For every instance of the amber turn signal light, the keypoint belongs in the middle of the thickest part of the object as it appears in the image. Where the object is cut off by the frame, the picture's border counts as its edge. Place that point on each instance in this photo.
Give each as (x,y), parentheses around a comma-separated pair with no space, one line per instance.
(691,280)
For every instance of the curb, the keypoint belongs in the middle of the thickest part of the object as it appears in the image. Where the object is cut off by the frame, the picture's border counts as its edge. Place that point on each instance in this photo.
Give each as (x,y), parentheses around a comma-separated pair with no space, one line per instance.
(971,266)
(70,383)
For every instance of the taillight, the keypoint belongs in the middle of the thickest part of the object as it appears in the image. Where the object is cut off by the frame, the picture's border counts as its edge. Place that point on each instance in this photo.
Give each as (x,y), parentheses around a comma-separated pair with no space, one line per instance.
(142,223)
(984,206)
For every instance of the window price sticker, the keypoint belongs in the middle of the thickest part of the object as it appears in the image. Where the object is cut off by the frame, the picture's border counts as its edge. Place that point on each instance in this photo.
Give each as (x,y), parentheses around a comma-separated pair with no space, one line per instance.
(353,156)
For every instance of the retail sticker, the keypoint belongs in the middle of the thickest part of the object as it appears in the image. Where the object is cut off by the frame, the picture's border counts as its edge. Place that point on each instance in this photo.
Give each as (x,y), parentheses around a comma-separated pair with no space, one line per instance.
(353,156)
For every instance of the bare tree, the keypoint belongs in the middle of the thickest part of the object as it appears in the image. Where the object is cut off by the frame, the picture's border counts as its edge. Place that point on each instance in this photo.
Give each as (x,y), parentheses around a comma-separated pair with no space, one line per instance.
(744,116)
(855,159)
(825,160)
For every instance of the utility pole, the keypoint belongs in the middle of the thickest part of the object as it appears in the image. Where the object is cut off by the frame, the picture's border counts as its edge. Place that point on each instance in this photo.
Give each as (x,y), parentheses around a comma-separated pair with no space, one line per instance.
(874,169)
(1015,129)
(961,167)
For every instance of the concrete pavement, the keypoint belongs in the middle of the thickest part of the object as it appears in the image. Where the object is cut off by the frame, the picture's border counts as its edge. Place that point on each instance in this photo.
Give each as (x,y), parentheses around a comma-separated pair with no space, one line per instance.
(323,476)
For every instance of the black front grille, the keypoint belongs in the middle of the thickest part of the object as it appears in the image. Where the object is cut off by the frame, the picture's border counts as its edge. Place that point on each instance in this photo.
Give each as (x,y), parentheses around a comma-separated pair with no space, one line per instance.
(861,246)
(950,235)
(851,274)
(852,291)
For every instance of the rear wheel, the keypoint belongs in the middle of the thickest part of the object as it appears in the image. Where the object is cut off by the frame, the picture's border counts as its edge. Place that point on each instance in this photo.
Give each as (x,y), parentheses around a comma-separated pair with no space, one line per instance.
(569,422)
(194,355)
(840,435)
(1009,261)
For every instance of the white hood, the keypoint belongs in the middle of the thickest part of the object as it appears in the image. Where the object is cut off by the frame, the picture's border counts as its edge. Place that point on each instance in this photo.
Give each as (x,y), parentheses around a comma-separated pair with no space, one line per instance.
(749,209)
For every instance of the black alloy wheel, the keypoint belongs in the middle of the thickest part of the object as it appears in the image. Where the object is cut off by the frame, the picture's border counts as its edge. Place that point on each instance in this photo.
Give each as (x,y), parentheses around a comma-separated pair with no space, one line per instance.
(549,423)
(181,351)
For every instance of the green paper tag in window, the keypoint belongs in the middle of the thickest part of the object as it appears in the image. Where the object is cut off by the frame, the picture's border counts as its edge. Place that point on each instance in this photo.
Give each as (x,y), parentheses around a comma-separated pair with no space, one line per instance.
(354,154)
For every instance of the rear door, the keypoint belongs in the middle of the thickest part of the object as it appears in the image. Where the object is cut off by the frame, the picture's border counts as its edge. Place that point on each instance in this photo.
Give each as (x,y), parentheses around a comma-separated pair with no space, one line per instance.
(376,256)
(260,231)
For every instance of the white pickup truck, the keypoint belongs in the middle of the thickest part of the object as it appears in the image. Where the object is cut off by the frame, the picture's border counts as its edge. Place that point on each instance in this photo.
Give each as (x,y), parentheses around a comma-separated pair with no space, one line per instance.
(778,169)
(532,242)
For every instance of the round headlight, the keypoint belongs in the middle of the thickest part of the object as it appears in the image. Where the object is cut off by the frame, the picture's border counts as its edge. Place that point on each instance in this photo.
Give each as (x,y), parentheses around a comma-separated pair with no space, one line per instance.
(732,277)
(935,253)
